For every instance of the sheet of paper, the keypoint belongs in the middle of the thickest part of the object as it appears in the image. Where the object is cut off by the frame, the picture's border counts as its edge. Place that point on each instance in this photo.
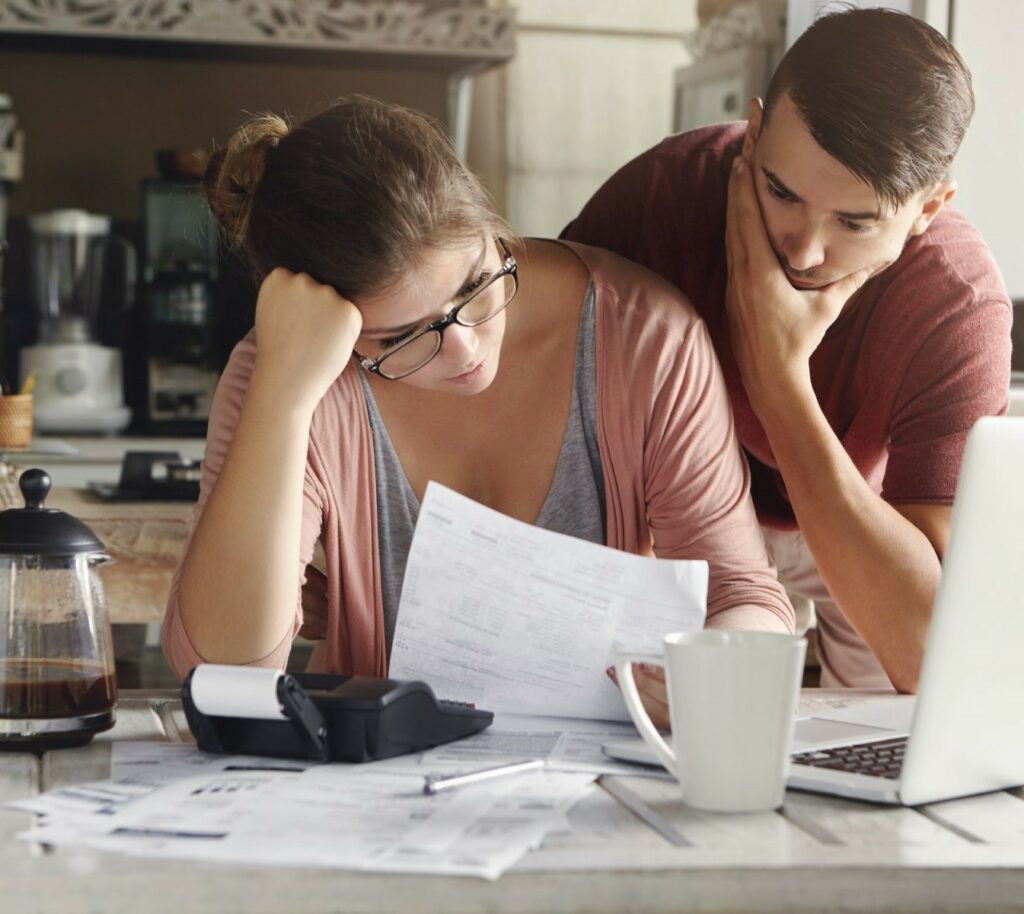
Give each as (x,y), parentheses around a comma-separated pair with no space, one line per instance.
(565,744)
(101,797)
(347,816)
(520,821)
(520,619)
(154,764)
(137,768)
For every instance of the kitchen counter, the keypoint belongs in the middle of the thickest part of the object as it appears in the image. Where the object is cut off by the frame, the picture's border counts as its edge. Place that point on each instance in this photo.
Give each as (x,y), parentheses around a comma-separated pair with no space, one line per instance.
(74,462)
(145,540)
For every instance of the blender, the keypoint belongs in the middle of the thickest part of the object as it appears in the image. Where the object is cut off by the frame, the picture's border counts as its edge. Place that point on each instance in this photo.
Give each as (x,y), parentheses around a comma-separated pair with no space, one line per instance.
(78,380)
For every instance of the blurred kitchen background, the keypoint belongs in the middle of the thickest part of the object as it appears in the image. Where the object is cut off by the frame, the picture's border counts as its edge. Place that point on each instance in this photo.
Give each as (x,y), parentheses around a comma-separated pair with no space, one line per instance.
(116,293)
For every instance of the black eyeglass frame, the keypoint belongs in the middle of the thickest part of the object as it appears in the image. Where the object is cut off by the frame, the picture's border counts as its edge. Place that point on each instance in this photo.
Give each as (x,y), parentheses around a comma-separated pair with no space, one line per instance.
(509,267)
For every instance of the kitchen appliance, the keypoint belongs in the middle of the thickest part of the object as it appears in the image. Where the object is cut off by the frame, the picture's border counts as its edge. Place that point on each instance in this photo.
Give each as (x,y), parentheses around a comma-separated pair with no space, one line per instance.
(79,384)
(11,145)
(180,274)
(57,683)
(153,476)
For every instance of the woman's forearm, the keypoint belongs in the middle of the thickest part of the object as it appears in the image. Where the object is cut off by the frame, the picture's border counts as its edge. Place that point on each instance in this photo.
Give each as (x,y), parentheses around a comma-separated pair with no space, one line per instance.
(747,618)
(239,581)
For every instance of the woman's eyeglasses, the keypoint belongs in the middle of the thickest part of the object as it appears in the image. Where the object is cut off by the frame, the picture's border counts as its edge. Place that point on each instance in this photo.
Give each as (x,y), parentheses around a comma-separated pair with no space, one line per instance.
(486,301)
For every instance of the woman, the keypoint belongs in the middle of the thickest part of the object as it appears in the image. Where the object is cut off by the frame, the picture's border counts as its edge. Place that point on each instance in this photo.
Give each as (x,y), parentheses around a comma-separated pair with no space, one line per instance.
(404,334)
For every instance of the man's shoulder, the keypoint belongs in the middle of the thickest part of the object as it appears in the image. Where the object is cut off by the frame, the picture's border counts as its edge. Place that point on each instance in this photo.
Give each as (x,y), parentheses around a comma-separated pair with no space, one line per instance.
(949,262)
(694,158)
(719,140)
(666,208)
(943,293)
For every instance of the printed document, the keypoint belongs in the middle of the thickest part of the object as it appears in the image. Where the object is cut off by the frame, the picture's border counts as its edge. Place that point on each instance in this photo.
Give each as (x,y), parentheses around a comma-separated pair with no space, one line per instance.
(562,743)
(361,817)
(519,619)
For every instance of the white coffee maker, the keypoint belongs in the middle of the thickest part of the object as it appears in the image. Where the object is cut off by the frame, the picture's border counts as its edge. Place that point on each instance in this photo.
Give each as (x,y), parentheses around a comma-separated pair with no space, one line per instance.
(78,381)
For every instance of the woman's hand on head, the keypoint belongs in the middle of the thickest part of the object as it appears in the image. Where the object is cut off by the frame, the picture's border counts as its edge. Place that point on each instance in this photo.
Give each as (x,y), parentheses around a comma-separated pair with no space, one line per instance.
(305,333)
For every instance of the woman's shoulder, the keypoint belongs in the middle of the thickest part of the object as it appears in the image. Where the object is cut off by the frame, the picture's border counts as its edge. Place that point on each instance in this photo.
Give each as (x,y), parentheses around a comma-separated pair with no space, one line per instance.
(632,296)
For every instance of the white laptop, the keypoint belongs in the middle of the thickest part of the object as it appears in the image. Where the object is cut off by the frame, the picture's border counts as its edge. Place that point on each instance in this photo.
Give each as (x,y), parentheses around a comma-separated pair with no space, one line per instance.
(966,735)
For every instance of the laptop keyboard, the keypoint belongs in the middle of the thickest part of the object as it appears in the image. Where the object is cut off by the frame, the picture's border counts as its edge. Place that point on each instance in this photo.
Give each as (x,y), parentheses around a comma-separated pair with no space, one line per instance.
(882,759)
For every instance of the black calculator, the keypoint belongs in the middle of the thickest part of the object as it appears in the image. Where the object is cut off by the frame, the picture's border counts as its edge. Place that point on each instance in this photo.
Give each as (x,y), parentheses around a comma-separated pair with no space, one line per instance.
(340,718)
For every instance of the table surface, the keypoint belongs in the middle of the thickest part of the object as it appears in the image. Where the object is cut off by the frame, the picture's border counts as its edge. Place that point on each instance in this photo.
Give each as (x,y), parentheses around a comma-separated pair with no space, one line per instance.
(816,853)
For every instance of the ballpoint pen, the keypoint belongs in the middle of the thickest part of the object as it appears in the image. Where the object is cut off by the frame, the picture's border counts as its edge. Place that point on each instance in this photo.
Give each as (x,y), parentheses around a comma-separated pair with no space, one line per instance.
(436,783)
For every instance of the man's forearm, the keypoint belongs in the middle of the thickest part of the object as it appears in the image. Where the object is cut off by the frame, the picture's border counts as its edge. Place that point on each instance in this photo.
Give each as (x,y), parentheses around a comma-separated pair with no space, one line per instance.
(880,569)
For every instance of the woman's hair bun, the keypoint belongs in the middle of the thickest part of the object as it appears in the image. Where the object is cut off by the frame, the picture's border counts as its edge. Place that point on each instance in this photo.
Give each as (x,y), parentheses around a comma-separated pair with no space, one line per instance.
(235,172)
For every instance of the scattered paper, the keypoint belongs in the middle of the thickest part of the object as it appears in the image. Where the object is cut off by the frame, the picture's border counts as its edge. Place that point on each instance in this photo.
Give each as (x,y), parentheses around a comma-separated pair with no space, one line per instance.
(564,744)
(360,817)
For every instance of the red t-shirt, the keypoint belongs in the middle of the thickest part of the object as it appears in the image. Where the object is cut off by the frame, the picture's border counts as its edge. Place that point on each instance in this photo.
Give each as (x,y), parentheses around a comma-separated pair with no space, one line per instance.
(901,376)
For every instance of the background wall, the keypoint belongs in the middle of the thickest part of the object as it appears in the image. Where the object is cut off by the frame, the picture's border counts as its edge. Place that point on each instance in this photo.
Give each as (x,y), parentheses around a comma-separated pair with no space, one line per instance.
(590,88)
(988,34)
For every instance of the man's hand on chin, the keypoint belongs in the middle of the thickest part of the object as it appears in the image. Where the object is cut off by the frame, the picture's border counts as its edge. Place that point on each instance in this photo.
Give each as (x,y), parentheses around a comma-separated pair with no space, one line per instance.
(774,327)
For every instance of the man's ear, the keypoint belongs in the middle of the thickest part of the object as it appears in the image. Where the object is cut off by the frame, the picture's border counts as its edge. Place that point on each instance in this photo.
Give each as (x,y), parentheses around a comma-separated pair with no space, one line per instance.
(754,115)
(932,205)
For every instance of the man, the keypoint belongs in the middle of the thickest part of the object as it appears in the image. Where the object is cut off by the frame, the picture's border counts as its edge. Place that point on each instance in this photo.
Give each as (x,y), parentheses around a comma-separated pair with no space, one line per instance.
(862,325)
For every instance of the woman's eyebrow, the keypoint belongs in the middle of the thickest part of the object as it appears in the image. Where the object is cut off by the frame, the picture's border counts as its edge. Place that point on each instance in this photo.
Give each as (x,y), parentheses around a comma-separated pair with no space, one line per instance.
(474,271)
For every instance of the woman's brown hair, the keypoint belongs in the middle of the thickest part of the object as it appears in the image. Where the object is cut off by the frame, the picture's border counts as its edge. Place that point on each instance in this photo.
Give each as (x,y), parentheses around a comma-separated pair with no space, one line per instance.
(352,196)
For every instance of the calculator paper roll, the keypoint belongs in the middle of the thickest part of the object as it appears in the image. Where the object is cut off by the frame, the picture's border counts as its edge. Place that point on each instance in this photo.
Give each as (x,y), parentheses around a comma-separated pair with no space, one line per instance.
(236,691)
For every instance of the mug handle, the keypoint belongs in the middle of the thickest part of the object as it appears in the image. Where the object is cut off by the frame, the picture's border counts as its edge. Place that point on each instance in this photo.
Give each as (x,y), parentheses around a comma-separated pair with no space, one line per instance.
(651,736)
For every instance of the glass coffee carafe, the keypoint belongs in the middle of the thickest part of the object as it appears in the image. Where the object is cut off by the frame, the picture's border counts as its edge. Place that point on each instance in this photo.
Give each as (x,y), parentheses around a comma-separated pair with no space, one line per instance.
(57,684)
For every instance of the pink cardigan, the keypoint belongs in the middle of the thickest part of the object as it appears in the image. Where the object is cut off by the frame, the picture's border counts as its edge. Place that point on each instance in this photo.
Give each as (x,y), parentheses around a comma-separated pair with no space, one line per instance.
(676,481)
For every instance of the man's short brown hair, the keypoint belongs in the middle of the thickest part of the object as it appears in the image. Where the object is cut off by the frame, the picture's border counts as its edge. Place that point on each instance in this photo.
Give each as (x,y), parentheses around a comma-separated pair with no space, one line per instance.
(883,93)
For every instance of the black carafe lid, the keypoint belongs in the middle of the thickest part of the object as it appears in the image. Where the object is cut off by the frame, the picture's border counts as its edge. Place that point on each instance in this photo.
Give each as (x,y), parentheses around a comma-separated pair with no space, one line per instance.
(38,530)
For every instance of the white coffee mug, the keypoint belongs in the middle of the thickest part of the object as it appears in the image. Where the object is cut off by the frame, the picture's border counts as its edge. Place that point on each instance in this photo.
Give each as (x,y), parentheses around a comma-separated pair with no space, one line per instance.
(732,699)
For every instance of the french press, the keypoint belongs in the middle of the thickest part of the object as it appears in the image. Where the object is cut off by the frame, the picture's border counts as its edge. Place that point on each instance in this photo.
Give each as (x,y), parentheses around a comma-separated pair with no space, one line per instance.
(57,682)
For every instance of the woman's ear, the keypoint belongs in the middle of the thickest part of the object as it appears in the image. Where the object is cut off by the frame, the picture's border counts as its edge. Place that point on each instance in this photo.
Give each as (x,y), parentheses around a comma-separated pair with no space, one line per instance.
(754,115)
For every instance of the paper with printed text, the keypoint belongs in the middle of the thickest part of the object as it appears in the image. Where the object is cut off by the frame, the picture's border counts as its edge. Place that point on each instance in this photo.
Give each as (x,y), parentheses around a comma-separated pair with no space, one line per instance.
(516,618)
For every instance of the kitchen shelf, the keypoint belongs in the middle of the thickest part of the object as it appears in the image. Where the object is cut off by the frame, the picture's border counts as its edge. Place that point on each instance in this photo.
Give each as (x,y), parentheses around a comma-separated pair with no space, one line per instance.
(448,34)
(456,38)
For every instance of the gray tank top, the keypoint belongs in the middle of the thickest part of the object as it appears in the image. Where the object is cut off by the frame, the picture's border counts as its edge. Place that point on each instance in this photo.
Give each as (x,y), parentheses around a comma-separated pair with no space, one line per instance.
(574,504)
